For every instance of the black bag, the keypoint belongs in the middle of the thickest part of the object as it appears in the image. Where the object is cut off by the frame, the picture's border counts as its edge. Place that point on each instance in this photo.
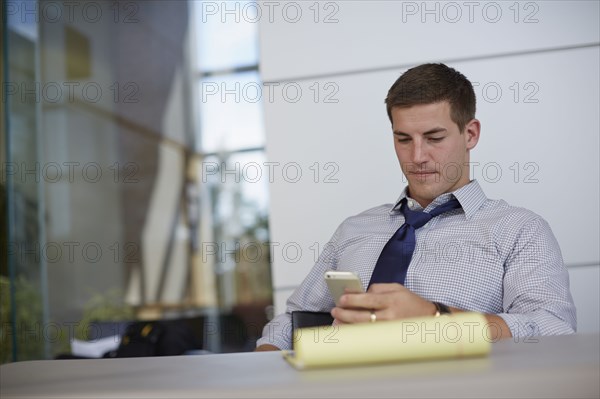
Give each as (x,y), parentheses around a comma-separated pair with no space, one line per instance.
(156,338)
(140,339)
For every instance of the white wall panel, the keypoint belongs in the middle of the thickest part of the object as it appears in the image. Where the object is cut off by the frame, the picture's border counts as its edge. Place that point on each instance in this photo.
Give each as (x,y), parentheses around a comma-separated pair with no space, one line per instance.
(538,100)
(585,287)
(555,137)
(297,41)
(547,149)
(352,140)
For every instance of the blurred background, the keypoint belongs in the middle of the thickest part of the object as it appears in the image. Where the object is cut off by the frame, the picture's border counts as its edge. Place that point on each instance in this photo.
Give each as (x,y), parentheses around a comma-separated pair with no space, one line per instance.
(111,178)
(169,160)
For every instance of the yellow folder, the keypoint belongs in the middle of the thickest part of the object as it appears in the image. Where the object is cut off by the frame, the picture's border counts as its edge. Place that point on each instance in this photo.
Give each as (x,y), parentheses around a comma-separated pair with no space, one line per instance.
(457,335)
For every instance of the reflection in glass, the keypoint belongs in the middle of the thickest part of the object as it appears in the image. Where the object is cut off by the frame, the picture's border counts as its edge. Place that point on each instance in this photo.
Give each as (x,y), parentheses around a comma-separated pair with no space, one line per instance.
(240,252)
(108,211)
(227,34)
(23,288)
(231,112)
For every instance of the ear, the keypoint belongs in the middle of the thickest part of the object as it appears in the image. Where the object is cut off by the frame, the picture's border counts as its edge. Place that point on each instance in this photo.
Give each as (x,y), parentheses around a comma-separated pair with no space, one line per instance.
(471,133)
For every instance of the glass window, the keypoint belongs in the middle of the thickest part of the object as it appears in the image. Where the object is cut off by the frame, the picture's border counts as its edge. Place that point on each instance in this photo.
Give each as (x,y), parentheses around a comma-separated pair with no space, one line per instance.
(227,34)
(108,211)
(239,250)
(231,115)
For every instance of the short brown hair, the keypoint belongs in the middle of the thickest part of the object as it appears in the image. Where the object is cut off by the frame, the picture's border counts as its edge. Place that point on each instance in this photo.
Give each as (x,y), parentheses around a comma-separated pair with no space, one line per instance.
(433,83)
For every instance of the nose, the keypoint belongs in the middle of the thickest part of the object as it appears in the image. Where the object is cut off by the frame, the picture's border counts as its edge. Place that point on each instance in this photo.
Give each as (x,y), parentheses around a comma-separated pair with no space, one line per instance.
(419,154)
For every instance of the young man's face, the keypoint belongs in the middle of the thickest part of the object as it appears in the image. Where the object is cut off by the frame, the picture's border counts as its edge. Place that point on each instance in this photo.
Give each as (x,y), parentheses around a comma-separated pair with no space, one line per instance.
(432,152)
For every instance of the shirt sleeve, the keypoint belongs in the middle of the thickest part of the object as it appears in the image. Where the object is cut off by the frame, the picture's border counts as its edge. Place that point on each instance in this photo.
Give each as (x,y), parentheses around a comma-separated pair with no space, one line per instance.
(312,295)
(537,299)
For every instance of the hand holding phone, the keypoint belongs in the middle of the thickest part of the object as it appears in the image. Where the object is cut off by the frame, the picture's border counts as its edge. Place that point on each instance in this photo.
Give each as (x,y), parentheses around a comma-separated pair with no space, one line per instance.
(339,282)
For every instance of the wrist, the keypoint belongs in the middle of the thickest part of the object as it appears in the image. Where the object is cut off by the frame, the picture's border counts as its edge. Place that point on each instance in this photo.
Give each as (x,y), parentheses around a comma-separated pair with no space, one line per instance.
(266,347)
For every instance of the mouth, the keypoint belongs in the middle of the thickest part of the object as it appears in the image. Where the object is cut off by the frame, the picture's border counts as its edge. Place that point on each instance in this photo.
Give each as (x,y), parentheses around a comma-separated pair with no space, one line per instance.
(423,176)
(423,173)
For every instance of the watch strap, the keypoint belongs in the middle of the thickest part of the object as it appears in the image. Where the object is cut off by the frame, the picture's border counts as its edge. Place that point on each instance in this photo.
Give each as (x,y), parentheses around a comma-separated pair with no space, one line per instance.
(441,309)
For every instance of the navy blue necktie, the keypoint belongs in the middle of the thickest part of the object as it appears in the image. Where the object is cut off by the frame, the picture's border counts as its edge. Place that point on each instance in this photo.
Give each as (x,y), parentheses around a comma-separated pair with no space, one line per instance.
(395,257)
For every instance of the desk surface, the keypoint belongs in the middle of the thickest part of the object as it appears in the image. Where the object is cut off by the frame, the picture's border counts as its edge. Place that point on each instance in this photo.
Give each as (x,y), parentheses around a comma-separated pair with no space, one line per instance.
(567,366)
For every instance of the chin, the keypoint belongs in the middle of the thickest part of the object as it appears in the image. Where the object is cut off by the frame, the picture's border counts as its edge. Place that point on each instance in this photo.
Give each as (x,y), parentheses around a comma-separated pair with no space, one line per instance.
(424,193)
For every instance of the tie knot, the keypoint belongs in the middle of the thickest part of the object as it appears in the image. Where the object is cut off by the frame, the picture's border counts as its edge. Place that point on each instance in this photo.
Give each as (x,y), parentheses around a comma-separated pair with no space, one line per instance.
(418,219)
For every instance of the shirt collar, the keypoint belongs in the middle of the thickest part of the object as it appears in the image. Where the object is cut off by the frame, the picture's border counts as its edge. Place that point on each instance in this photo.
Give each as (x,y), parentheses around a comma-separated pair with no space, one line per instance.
(470,197)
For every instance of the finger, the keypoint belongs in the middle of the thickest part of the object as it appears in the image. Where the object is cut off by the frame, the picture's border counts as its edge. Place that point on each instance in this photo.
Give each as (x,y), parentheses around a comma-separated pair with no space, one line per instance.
(385,287)
(336,322)
(347,316)
(350,291)
(366,301)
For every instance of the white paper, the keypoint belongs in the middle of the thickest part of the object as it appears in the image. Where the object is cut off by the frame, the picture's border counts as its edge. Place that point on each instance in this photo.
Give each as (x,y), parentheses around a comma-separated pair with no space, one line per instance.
(95,348)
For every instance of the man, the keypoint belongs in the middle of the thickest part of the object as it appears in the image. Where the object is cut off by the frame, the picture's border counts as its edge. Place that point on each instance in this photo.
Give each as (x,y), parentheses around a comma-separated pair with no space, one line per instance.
(471,253)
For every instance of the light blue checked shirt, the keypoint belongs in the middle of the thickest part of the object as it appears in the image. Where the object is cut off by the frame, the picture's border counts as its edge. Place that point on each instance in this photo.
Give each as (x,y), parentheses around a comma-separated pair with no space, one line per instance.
(488,257)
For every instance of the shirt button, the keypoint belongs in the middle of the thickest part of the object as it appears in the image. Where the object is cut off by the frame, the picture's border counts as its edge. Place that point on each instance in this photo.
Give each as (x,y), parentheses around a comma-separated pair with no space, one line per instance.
(411,204)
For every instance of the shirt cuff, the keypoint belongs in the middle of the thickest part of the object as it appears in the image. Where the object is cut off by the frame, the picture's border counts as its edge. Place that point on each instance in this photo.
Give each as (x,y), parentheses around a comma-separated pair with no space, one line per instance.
(277,332)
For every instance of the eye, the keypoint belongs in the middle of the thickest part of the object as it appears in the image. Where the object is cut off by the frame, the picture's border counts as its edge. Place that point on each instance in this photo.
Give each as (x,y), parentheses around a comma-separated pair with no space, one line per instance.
(403,140)
(436,139)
